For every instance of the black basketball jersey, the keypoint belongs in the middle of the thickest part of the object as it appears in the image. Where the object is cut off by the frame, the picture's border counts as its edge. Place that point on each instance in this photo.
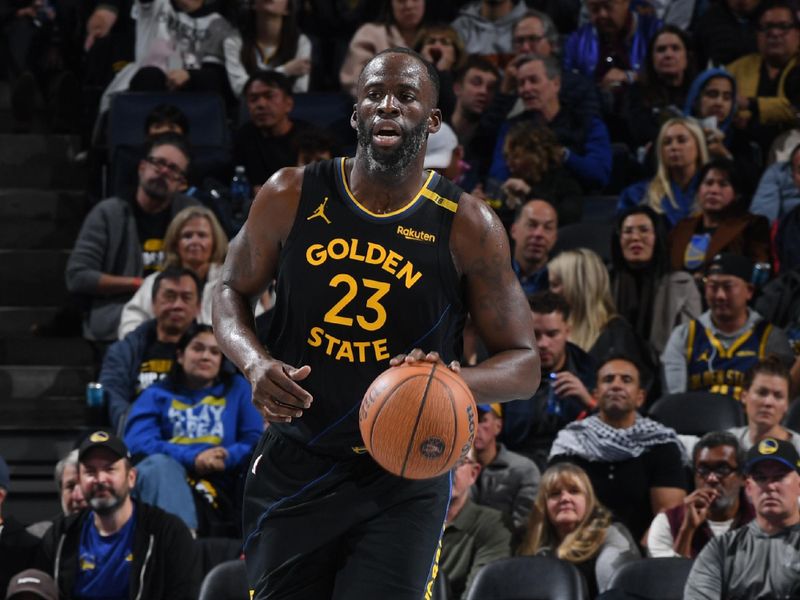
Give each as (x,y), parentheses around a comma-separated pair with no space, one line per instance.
(354,289)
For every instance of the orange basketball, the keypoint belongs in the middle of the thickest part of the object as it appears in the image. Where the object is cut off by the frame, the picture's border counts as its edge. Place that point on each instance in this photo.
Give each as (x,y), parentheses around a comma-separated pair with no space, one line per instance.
(418,419)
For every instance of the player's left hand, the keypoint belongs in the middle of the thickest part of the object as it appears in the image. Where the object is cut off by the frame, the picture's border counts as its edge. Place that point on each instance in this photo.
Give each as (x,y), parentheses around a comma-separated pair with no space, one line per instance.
(418,355)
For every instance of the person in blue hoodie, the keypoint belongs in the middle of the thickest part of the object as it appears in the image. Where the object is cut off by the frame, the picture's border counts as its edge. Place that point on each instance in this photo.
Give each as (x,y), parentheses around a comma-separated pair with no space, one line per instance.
(196,428)
(712,101)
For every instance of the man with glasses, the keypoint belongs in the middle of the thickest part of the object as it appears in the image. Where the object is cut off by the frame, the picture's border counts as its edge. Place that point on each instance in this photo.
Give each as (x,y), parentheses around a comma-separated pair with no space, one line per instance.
(716,505)
(713,352)
(761,559)
(768,82)
(121,239)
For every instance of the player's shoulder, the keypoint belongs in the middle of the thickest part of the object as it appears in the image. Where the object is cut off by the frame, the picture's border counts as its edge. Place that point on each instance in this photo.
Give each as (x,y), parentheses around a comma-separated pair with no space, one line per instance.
(476,225)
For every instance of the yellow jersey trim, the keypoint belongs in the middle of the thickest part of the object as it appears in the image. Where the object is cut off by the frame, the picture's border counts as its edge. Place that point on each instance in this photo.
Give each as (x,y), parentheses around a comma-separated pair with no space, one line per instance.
(439,200)
(394,213)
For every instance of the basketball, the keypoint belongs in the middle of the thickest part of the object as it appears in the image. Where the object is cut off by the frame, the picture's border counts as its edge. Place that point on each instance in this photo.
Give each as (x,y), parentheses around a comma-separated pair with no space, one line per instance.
(418,419)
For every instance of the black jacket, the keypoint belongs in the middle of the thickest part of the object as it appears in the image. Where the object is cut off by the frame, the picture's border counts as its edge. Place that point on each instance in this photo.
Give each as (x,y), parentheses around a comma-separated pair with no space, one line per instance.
(17,550)
(165,559)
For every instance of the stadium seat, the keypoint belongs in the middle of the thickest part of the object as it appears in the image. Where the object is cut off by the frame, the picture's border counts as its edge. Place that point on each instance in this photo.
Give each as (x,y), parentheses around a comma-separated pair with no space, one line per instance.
(599,209)
(205,112)
(653,578)
(594,236)
(226,581)
(697,413)
(529,578)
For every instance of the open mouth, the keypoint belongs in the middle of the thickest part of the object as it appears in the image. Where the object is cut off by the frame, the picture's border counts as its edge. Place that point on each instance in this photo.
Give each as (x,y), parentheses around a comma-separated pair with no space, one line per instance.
(386,133)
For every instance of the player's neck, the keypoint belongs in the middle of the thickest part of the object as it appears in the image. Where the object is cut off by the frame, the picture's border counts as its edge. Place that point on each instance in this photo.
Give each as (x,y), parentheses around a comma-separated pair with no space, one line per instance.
(384,192)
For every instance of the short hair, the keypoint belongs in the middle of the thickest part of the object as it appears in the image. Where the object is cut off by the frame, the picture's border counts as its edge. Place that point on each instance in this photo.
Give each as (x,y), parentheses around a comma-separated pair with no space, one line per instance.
(315,139)
(169,139)
(478,62)
(769,365)
(789,5)
(273,79)
(519,210)
(433,74)
(550,32)
(167,113)
(546,302)
(715,439)
(175,274)
(552,67)
(61,465)
(173,234)
(628,358)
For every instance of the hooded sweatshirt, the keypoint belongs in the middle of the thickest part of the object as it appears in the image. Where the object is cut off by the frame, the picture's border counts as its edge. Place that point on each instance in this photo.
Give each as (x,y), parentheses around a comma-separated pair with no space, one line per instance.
(484,37)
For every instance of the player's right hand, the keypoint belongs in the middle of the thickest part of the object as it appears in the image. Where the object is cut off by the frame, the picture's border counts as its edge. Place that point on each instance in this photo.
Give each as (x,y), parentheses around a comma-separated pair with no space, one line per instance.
(276,394)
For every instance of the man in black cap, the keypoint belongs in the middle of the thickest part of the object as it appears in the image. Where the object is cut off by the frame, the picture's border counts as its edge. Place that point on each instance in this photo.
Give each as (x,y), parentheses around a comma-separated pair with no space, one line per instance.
(761,559)
(118,548)
(712,353)
(32,584)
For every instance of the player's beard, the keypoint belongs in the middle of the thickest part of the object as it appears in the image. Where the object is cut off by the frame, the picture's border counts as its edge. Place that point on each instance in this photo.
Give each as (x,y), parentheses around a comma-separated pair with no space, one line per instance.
(394,161)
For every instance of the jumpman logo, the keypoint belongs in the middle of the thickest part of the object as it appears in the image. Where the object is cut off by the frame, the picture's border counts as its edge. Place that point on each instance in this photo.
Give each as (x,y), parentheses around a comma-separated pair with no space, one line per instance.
(320,212)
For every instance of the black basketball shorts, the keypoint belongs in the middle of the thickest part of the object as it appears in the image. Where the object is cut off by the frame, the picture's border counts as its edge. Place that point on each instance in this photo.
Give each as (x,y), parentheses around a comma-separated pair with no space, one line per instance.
(329,528)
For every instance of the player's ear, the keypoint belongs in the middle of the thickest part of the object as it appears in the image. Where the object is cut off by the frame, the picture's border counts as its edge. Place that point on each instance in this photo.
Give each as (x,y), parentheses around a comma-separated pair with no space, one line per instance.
(354,118)
(434,120)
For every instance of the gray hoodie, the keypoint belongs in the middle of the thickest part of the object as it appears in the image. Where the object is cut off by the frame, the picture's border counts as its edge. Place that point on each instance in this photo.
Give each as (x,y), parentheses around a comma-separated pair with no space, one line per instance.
(486,37)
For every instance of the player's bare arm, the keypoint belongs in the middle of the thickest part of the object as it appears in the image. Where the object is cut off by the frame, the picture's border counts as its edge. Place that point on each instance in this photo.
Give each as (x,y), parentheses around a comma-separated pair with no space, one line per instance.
(497,304)
(250,265)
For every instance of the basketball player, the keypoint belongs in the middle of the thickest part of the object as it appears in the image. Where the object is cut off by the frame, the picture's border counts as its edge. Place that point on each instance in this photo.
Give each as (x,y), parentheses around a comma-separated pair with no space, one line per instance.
(374,258)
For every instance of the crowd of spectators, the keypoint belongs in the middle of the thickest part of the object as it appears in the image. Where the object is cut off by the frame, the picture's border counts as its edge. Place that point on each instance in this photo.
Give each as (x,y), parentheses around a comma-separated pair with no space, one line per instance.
(667,129)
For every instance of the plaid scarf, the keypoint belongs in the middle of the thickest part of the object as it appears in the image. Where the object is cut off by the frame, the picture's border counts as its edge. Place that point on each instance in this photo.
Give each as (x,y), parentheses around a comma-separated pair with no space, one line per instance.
(595,441)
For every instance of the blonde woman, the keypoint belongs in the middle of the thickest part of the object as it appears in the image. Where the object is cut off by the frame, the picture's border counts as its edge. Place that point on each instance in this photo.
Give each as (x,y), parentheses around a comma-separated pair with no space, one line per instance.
(194,240)
(581,277)
(569,523)
(680,153)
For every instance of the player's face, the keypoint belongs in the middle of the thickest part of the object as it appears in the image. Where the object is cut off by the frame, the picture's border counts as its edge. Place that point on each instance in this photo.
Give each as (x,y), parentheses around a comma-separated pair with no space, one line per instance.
(176,304)
(202,359)
(618,392)
(566,506)
(637,239)
(394,112)
(269,106)
(773,489)
(489,427)
(106,480)
(476,91)
(551,339)
(72,499)
(716,468)
(766,400)
(716,99)
(196,242)
(727,296)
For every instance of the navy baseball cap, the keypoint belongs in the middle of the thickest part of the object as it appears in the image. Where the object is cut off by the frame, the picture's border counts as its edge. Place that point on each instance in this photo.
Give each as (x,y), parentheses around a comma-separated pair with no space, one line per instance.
(5,474)
(772,449)
(103,439)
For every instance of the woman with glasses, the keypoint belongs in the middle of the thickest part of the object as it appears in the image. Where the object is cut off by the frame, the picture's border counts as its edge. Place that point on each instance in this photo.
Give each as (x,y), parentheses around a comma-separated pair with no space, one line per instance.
(569,523)
(722,224)
(766,400)
(651,299)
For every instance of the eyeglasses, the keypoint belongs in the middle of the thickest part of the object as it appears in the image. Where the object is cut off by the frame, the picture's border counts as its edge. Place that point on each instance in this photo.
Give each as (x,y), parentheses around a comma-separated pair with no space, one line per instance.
(520,40)
(175,172)
(782,27)
(720,470)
